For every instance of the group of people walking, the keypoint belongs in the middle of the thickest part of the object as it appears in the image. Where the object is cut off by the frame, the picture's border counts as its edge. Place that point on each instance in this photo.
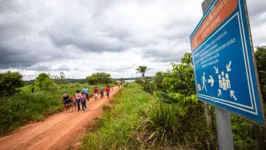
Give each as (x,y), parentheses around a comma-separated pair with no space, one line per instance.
(78,100)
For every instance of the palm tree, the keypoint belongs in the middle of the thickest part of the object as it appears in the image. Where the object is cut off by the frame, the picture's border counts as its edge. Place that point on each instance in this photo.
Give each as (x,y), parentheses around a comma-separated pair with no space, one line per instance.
(142,70)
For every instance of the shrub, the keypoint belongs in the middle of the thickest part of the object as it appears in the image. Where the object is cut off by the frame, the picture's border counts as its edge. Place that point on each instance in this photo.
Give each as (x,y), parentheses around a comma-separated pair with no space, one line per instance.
(18,110)
(99,78)
(139,81)
(181,123)
(9,82)
(44,81)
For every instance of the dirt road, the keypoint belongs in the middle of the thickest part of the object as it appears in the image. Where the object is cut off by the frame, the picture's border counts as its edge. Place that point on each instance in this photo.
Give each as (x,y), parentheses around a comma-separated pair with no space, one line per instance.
(58,131)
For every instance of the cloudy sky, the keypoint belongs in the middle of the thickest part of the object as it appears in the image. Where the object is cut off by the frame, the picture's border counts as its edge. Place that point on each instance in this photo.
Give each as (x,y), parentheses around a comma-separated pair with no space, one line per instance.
(80,37)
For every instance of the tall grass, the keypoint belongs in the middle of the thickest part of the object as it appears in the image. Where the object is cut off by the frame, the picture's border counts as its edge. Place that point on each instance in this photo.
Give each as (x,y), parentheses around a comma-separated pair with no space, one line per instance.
(175,125)
(115,128)
(22,108)
(139,121)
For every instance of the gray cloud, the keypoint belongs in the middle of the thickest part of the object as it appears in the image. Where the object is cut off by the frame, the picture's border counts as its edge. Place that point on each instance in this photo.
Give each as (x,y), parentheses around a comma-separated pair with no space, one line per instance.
(102,35)
(12,57)
(89,44)
(62,68)
(45,67)
(256,7)
(159,56)
(39,68)
(111,68)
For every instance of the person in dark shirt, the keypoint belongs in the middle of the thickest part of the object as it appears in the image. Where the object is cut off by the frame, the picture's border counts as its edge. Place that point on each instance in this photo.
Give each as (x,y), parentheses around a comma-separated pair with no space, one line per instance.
(101,92)
(66,100)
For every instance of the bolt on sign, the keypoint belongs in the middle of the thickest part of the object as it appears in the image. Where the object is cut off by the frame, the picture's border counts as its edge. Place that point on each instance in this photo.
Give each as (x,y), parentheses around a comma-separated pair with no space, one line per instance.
(222,51)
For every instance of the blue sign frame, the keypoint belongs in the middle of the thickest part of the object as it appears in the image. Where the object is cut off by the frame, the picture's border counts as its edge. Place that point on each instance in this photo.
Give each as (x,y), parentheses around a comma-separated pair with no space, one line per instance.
(225,75)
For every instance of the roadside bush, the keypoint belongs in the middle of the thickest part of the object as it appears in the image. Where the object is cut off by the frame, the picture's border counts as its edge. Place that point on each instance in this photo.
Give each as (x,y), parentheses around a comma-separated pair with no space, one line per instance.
(99,78)
(164,97)
(178,124)
(44,81)
(139,81)
(9,82)
(148,86)
(22,108)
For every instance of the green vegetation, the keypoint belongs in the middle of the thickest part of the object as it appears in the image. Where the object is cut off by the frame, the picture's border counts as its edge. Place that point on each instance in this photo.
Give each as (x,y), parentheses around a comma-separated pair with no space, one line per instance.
(9,82)
(261,65)
(19,109)
(176,88)
(164,113)
(176,118)
(99,78)
(114,129)
(139,120)
(142,70)
(43,81)
(21,105)
(59,79)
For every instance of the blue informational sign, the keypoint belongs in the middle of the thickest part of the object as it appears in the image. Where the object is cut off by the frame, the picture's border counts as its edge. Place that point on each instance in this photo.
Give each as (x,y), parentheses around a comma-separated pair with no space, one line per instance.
(223,60)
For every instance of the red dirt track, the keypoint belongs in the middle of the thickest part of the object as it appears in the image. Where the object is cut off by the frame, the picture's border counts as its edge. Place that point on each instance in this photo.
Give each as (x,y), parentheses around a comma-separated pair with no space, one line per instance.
(59,131)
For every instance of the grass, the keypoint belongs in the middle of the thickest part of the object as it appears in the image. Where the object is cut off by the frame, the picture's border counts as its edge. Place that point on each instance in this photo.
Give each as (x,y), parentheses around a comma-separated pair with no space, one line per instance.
(139,121)
(22,108)
(114,129)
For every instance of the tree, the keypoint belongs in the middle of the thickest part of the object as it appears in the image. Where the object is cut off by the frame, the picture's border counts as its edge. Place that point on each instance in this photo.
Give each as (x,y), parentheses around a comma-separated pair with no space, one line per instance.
(92,80)
(139,80)
(10,82)
(61,77)
(55,78)
(44,81)
(122,81)
(181,78)
(187,59)
(261,67)
(101,77)
(142,70)
(158,81)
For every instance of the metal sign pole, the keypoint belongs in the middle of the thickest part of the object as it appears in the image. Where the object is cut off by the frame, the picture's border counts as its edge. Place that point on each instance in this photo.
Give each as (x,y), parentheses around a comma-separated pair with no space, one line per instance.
(224,129)
(223,119)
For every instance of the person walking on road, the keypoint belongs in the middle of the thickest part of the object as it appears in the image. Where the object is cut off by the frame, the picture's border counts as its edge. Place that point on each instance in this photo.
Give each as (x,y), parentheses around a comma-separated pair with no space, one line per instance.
(107,91)
(74,102)
(66,100)
(86,91)
(78,99)
(83,100)
(95,91)
(101,92)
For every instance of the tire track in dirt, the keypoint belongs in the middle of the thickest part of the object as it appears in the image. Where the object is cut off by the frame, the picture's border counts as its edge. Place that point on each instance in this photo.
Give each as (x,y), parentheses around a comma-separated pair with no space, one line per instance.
(58,131)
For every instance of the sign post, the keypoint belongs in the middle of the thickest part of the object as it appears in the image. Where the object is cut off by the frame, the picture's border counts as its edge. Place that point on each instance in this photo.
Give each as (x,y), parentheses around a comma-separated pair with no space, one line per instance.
(223,118)
(225,72)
